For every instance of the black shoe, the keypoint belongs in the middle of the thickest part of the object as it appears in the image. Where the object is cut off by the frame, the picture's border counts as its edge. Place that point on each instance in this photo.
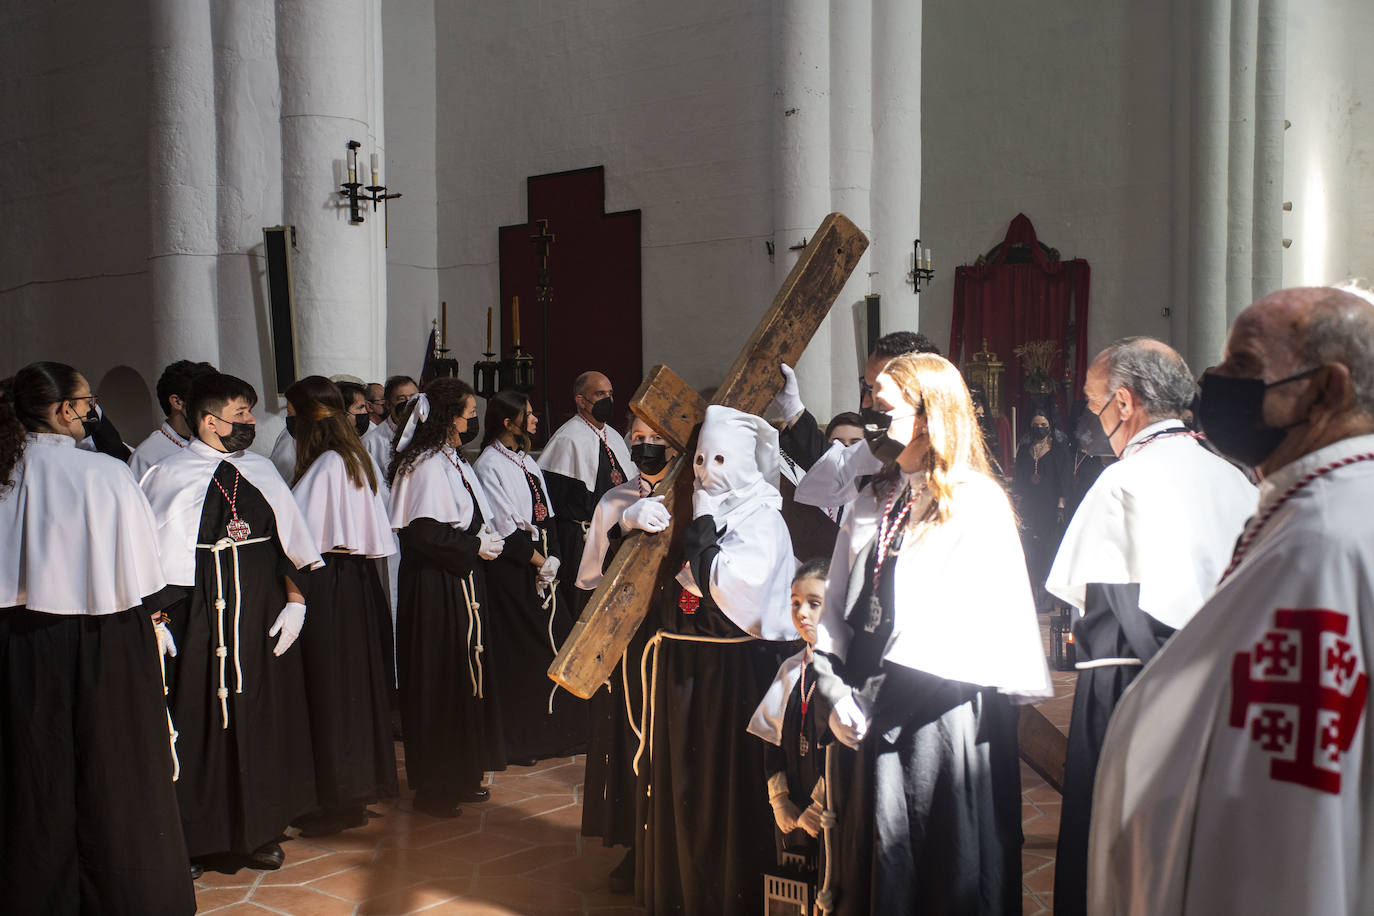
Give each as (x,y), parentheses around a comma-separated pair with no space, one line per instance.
(197,870)
(476,796)
(267,857)
(436,807)
(622,877)
(524,762)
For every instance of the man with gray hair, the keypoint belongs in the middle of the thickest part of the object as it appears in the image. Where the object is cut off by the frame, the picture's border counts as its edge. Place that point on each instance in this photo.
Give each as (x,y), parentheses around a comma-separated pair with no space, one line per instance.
(1140,555)
(1235,776)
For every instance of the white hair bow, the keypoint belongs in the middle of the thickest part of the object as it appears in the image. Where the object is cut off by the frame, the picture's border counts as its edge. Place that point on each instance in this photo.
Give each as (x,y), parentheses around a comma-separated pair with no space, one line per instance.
(419,413)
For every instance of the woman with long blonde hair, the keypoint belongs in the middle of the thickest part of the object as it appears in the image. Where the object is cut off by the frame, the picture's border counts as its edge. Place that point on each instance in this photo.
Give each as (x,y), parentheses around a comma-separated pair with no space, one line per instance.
(928,637)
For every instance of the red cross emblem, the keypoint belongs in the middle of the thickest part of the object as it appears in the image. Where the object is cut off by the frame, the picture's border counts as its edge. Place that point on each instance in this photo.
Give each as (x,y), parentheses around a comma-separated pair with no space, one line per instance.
(1301,694)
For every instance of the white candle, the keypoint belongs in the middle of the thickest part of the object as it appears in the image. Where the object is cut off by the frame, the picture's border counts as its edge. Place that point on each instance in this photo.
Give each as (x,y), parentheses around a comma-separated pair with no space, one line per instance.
(375,170)
(928,267)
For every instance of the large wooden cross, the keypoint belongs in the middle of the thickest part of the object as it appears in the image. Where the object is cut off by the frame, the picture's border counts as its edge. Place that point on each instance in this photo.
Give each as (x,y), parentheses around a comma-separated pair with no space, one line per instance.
(673,410)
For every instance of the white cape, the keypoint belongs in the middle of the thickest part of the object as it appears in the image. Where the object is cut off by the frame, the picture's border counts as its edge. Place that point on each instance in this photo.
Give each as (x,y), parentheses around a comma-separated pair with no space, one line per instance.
(751,578)
(964,609)
(76,534)
(507,490)
(1237,775)
(433,488)
(834,479)
(284,456)
(161,443)
(377,442)
(607,515)
(341,514)
(177,487)
(767,720)
(1165,516)
(575,451)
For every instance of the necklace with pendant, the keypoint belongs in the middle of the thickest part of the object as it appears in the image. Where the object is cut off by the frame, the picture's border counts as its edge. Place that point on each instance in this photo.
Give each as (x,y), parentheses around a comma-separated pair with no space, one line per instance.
(888,530)
(237,529)
(617,478)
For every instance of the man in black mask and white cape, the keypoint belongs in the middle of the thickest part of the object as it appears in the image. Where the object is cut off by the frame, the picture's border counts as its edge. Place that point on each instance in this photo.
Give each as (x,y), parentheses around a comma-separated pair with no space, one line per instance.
(232,536)
(709,833)
(1143,551)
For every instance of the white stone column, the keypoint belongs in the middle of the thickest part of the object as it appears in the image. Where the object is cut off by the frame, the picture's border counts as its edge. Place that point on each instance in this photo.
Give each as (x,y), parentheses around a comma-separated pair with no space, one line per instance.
(1207,223)
(181,182)
(851,183)
(1240,158)
(326,60)
(897,158)
(801,161)
(1270,71)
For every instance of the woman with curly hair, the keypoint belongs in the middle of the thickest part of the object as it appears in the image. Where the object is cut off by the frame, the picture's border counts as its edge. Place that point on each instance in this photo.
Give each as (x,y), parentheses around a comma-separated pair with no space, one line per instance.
(927,639)
(346,650)
(449,711)
(88,811)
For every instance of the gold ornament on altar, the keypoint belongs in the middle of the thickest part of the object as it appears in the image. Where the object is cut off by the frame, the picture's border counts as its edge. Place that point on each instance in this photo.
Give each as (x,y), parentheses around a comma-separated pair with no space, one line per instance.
(984,370)
(1037,365)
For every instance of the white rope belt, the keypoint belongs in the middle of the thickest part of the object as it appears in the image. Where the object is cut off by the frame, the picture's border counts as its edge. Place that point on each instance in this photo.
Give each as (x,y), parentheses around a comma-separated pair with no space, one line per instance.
(221,650)
(1108,663)
(172,733)
(474,632)
(649,684)
(551,602)
(825,899)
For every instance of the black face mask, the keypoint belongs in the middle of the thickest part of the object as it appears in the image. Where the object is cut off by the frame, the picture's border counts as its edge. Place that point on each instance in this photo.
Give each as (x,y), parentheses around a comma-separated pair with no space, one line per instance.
(874,417)
(1092,440)
(291,426)
(467,435)
(649,457)
(240,439)
(601,410)
(1039,433)
(90,423)
(362,423)
(876,424)
(1231,411)
(398,411)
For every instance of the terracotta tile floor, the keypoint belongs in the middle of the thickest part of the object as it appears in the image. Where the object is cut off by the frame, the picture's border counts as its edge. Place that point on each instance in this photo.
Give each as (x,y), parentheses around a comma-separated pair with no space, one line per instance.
(519,853)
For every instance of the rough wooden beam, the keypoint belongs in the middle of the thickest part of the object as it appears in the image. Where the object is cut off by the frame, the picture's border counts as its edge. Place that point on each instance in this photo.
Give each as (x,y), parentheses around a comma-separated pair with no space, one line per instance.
(670,406)
(1043,746)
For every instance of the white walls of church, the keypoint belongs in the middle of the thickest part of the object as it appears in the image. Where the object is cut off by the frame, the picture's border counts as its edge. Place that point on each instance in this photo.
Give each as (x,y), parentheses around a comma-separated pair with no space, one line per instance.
(1329,150)
(1061,111)
(412,275)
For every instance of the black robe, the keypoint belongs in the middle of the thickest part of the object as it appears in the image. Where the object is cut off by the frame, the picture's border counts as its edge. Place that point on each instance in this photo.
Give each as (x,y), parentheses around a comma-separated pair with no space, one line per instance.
(802,761)
(521,645)
(574,505)
(242,785)
(346,647)
(1037,488)
(1113,626)
(88,811)
(930,820)
(708,825)
(452,735)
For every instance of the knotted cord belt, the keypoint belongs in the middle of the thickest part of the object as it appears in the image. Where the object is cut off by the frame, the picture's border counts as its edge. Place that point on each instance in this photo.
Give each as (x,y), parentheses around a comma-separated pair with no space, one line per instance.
(474,623)
(1108,663)
(551,602)
(649,684)
(825,899)
(172,733)
(221,650)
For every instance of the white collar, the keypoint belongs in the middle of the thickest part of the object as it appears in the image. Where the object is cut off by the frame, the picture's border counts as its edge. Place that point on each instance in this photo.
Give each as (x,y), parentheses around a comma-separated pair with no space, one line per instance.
(59,440)
(176,437)
(1159,426)
(205,450)
(1275,485)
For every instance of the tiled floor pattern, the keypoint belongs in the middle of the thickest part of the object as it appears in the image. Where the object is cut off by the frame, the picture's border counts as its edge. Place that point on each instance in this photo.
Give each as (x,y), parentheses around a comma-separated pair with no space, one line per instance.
(519,853)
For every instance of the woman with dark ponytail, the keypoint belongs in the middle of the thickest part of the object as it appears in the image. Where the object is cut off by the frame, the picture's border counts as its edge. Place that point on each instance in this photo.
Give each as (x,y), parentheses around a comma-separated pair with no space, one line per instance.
(449,710)
(346,650)
(88,812)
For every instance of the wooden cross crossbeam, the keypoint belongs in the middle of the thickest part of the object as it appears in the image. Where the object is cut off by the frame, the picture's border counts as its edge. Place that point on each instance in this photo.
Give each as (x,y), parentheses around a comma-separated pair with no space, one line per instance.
(672,409)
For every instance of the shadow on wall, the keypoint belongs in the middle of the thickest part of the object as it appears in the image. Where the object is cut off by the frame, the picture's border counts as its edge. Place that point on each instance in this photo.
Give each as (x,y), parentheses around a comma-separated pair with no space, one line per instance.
(130,402)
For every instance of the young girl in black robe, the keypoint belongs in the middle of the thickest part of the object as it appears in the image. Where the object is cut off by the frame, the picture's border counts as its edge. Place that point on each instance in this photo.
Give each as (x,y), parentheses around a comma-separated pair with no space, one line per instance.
(346,648)
(88,810)
(531,615)
(449,708)
(927,638)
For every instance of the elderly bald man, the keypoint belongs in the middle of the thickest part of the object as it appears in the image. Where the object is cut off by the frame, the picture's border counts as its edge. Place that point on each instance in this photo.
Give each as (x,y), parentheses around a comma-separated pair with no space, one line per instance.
(1140,555)
(1235,776)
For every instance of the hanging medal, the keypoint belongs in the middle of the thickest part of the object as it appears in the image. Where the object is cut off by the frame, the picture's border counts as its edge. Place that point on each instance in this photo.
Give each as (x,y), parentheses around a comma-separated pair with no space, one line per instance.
(237,529)
(1035,474)
(617,478)
(804,746)
(536,493)
(888,530)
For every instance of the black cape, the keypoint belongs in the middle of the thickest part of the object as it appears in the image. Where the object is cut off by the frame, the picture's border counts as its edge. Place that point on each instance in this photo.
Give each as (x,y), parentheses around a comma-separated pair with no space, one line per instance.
(708,827)
(88,811)
(452,734)
(242,785)
(346,648)
(1113,626)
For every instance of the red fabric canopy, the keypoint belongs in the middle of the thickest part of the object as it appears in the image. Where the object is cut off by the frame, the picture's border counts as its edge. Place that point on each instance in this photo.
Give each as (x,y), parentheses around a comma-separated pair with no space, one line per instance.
(1010,304)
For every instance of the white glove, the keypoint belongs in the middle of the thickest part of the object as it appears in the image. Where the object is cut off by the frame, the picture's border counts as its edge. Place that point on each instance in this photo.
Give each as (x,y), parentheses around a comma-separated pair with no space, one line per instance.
(785,813)
(289,623)
(492,544)
(788,401)
(165,644)
(646,515)
(548,571)
(810,819)
(848,723)
(704,503)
